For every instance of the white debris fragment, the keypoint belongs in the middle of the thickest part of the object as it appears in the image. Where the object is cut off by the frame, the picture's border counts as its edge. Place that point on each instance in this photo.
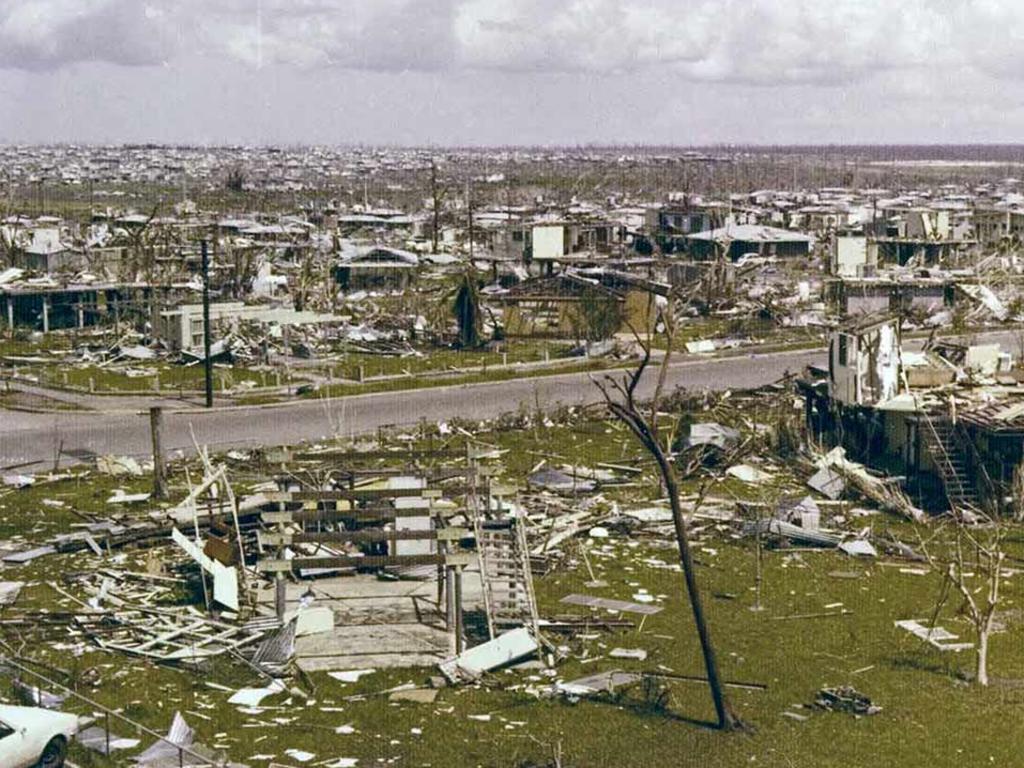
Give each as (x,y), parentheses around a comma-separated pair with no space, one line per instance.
(748,474)
(350,675)
(251,697)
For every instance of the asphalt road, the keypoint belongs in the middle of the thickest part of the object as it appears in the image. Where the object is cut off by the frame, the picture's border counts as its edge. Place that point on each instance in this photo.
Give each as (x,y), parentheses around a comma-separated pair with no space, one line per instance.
(33,437)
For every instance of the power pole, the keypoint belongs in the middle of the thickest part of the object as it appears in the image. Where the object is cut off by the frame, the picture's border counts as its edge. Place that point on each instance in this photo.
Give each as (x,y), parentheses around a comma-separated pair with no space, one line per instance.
(469,211)
(208,364)
(436,197)
(159,469)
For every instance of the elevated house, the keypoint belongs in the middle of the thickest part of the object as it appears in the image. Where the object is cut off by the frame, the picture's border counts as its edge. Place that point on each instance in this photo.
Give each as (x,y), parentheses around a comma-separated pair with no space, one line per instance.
(889,293)
(948,421)
(46,306)
(572,241)
(994,224)
(918,236)
(739,240)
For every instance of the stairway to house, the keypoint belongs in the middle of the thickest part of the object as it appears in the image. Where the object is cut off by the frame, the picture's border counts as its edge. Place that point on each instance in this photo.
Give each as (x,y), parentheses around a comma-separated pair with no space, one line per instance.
(942,442)
(505,572)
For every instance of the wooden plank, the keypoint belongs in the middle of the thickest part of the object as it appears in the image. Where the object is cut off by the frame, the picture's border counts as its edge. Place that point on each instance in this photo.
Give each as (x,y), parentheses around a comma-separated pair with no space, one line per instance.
(374,561)
(365,494)
(341,515)
(405,453)
(274,539)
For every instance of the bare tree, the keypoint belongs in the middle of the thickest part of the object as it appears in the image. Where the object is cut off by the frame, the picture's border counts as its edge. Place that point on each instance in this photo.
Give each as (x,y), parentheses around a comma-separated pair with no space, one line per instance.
(235,178)
(977,581)
(141,251)
(10,248)
(1017,492)
(620,396)
(438,193)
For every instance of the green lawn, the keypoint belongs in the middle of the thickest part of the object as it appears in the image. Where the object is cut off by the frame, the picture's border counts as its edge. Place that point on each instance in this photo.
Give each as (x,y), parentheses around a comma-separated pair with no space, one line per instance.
(930,716)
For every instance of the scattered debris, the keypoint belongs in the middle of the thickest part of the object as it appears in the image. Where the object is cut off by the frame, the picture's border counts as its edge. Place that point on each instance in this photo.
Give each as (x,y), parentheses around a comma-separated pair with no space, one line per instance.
(845,699)
(610,605)
(416,695)
(504,649)
(858,548)
(748,474)
(937,637)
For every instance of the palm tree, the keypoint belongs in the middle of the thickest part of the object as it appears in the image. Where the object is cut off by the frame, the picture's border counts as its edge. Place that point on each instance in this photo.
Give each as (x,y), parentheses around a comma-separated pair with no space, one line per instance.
(467,311)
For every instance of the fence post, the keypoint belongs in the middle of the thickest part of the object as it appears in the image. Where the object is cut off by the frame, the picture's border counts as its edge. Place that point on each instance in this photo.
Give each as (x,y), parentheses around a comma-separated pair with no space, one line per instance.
(159,468)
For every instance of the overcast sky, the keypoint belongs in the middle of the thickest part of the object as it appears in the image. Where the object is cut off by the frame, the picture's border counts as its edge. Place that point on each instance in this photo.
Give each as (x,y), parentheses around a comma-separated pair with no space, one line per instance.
(512,71)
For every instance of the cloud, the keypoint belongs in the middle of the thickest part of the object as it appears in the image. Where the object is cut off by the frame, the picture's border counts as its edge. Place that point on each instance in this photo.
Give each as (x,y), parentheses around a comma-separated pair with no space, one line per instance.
(753,41)
(760,42)
(382,35)
(47,34)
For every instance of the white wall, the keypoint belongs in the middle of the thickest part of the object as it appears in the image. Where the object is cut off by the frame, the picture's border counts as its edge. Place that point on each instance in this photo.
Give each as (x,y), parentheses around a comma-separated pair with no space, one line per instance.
(866,380)
(548,241)
(850,253)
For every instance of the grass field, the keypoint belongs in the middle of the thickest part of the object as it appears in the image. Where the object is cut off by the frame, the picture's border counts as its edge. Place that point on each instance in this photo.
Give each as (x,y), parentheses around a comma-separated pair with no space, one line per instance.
(931,715)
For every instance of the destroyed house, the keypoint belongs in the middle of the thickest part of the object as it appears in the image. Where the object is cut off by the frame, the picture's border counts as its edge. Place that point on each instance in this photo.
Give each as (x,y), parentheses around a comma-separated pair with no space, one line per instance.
(565,241)
(502,234)
(286,234)
(181,328)
(52,307)
(922,237)
(901,251)
(43,250)
(850,256)
(378,221)
(864,362)
(569,305)
(822,218)
(991,225)
(905,414)
(376,268)
(677,220)
(855,296)
(738,240)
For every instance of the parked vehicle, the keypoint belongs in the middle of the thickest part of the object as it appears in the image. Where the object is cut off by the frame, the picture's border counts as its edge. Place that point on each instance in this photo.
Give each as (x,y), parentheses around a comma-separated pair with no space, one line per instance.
(32,737)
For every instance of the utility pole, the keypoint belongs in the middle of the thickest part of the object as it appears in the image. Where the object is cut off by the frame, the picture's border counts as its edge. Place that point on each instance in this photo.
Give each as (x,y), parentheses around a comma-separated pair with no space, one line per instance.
(436,198)
(208,364)
(469,211)
(159,469)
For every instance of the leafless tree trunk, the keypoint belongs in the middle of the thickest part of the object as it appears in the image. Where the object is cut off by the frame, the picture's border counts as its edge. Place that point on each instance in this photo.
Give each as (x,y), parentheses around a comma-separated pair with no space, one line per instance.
(437,195)
(980,603)
(1018,492)
(620,396)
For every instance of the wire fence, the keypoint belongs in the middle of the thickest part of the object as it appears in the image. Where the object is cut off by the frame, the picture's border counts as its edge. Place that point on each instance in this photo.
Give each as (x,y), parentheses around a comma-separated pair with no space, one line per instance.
(6,663)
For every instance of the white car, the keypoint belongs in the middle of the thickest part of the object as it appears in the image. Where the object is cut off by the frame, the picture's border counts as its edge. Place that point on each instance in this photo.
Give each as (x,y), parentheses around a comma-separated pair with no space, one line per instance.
(31,737)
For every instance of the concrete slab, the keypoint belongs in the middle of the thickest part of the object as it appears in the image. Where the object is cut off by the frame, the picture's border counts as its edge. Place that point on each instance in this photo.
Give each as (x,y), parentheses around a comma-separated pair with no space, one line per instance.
(368,645)
(376,623)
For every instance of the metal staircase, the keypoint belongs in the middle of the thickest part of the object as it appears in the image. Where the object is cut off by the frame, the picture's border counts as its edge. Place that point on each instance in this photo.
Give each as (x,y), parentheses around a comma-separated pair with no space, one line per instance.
(943,444)
(505,573)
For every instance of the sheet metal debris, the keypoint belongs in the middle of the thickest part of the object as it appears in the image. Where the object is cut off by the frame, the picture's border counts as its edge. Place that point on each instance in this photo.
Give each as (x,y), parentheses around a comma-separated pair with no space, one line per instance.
(225,578)
(937,637)
(607,604)
(504,649)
